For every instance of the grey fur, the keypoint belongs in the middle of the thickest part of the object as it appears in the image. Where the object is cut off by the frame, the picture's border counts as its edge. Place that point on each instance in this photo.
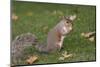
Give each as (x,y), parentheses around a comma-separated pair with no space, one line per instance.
(20,43)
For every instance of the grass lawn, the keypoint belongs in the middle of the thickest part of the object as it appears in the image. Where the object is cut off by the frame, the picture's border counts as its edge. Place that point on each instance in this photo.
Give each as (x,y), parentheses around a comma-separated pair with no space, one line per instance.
(39,18)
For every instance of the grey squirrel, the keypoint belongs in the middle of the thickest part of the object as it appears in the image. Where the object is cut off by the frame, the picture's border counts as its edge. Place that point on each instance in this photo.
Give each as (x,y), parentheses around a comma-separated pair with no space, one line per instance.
(57,34)
(54,41)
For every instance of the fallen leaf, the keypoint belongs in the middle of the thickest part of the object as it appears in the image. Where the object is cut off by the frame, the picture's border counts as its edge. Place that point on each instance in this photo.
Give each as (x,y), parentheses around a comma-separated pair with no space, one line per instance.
(85,35)
(61,58)
(88,34)
(65,55)
(31,59)
(68,55)
(91,39)
(14,17)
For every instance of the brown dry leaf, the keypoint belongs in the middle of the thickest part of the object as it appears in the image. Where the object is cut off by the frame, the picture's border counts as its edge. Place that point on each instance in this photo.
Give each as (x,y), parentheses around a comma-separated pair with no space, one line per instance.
(88,34)
(91,39)
(85,35)
(61,58)
(14,17)
(31,59)
(66,55)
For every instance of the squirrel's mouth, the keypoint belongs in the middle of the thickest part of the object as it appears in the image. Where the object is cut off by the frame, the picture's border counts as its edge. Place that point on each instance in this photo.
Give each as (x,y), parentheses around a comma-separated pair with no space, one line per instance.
(67,33)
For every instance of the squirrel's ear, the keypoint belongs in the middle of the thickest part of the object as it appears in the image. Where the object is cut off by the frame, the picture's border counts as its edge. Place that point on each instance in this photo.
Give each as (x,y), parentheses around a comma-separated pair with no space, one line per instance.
(63,17)
(72,17)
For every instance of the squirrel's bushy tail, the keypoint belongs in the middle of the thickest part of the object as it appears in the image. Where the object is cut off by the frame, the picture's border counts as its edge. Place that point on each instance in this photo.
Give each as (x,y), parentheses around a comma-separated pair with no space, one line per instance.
(41,47)
(20,43)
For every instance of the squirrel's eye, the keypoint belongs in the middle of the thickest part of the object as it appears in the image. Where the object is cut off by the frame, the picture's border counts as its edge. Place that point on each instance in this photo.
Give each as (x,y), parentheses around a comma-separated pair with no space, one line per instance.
(67,22)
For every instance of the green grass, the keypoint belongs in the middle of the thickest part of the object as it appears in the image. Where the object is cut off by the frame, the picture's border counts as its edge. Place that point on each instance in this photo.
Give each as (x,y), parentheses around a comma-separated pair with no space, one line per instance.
(48,15)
